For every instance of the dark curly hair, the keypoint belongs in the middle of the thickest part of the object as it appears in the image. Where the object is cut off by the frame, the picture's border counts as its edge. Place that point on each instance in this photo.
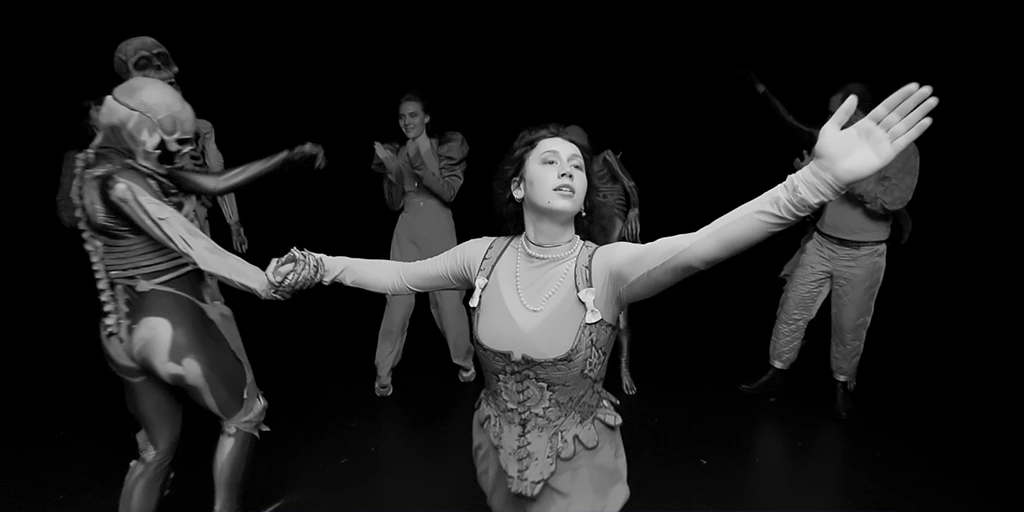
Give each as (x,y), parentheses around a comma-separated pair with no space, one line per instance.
(512,166)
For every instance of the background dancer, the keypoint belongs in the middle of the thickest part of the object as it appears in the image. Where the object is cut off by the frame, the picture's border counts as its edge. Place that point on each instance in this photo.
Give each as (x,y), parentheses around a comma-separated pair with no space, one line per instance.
(615,217)
(161,330)
(421,179)
(545,434)
(844,254)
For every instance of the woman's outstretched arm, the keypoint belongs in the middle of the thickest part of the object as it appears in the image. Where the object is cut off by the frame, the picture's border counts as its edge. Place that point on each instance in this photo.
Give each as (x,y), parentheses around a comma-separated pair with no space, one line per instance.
(639,271)
(843,155)
(454,269)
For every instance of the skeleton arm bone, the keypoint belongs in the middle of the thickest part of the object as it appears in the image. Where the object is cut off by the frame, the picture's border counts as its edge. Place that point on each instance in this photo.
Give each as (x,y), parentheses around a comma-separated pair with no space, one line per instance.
(780,109)
(639,271)
(229,181)
(136,199)
(215,162)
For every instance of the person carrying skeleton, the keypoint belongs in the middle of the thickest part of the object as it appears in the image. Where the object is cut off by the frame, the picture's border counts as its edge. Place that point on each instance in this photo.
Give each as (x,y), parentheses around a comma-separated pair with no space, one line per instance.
(614,217)
(160,328)
(145,56)
(843,253)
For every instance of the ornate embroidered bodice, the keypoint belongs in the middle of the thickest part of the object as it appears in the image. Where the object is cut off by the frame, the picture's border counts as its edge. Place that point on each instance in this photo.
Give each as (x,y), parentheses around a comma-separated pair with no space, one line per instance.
(540,410)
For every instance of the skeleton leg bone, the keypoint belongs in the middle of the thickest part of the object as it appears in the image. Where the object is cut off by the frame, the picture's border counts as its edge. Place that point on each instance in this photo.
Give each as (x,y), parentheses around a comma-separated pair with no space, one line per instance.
(181,346)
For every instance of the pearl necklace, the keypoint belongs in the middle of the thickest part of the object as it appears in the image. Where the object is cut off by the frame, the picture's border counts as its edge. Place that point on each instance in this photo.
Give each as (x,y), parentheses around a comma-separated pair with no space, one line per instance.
(565,271)
(539,256)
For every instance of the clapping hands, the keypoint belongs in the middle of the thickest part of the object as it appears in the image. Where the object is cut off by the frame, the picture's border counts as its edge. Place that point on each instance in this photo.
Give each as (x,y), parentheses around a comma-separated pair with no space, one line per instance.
(389,158)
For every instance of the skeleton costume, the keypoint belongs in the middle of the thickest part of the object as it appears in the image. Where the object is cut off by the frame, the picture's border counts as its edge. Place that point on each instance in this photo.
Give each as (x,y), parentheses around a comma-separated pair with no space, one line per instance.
(145,56)
(843,253)
(422,189)
(160,328)
(545,433)
(614,217)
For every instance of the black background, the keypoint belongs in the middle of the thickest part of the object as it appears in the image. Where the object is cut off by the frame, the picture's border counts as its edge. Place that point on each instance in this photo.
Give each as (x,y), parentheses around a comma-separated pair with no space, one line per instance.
(696,138)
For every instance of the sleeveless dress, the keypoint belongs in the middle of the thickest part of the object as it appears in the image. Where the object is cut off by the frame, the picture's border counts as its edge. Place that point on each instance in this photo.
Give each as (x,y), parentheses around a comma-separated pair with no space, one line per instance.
(545,433)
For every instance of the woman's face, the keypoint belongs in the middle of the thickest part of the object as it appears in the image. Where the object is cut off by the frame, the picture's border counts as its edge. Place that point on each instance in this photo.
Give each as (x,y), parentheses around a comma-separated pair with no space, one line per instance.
(411,119)
(554,179)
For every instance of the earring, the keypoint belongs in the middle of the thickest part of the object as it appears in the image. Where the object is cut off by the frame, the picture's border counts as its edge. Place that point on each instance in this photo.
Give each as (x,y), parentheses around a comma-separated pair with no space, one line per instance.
(583,211)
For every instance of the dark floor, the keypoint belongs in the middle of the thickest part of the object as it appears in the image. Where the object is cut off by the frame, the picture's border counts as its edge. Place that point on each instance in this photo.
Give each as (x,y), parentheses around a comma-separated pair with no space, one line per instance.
(693,441)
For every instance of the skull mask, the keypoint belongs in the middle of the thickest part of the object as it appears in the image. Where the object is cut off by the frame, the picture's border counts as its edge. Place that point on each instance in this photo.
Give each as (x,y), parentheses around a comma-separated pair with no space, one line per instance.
(153,116)
(145,57)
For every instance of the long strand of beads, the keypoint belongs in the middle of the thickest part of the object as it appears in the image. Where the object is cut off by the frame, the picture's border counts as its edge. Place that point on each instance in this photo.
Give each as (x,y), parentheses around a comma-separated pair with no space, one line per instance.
(544,300)
(566,254)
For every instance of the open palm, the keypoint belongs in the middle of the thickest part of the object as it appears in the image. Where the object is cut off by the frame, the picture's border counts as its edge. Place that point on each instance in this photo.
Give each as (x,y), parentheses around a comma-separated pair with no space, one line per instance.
(859,151)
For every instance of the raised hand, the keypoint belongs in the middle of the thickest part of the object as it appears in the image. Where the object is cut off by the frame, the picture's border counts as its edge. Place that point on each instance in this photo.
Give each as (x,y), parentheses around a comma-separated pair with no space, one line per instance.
(389,158)
(857,152)
(238,238)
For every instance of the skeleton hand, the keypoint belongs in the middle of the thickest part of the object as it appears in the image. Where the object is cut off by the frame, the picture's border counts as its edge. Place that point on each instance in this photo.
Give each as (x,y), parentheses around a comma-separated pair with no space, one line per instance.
(296,271)
(800,164)
(310,149)
(627,380)
(631,228)
(859,151)
(238,237)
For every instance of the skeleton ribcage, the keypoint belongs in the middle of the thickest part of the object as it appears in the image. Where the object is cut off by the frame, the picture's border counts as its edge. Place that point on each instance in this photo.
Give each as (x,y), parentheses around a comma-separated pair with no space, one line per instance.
(609,190)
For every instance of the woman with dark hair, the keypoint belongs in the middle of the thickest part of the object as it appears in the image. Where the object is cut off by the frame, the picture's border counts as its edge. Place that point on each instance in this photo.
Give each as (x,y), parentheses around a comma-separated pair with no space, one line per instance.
(421,179)
(545,433)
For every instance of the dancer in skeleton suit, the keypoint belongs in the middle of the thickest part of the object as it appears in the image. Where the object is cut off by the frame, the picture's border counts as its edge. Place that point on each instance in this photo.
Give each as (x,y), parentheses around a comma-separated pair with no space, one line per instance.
(844,254)
(545,304)
(615,217)
(160,328)
(145,56)
(421,179)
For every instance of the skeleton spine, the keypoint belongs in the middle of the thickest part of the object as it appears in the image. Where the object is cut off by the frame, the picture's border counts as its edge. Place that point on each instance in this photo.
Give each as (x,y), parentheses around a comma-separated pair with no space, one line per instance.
(111,316)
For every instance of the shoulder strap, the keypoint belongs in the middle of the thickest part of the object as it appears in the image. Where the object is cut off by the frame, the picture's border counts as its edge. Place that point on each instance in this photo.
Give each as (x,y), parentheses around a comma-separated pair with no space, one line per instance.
(492,255)
(584,277)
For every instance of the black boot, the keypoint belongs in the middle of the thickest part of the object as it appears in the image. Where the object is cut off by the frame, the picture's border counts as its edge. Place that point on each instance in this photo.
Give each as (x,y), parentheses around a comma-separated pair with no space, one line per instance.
(844,399)
(771,382)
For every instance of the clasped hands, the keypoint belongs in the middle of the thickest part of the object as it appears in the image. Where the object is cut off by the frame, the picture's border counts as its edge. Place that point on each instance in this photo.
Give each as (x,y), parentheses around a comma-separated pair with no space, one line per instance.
(296,271)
